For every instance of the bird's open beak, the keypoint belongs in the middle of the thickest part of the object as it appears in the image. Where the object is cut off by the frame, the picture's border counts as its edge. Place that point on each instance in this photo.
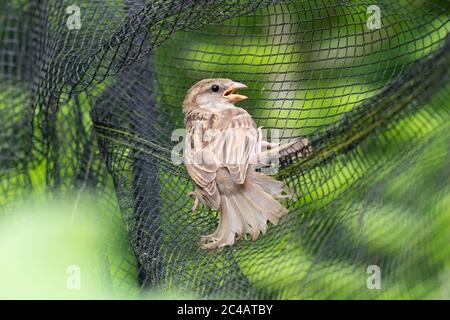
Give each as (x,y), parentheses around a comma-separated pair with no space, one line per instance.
(230,94)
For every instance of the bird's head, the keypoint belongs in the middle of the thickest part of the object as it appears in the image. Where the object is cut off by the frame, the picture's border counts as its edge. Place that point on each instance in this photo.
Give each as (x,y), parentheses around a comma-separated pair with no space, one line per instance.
(215,94)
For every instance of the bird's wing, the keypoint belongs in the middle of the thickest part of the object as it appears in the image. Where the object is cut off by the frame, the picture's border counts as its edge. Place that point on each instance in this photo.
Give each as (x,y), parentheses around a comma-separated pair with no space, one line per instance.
(228,139)
(201,163)
(235,142)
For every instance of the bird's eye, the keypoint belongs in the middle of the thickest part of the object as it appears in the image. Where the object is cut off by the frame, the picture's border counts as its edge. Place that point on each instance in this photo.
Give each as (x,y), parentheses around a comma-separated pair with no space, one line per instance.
(215,88)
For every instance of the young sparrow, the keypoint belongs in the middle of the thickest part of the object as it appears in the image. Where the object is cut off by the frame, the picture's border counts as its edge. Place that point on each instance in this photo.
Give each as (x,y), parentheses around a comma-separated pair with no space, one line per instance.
(222,152)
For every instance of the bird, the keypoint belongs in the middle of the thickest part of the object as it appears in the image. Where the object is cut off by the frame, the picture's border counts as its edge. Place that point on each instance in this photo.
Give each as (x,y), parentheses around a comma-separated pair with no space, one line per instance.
(222,153)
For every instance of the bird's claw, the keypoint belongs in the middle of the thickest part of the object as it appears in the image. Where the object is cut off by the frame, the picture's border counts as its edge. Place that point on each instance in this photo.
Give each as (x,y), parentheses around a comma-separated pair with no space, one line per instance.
(209,242)
(191,194)
(208,237)
(196,204)
(196,201)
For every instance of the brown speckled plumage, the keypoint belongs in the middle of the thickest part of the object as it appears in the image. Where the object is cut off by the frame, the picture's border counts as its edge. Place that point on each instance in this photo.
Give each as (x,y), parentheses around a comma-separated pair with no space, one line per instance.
(226,179)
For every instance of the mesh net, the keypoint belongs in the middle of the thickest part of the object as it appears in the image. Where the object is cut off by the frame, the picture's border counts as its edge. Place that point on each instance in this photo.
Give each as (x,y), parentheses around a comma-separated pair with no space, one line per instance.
(93,108)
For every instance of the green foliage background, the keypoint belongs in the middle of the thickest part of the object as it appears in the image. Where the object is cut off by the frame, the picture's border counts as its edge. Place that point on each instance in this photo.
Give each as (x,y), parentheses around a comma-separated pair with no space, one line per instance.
(42,232)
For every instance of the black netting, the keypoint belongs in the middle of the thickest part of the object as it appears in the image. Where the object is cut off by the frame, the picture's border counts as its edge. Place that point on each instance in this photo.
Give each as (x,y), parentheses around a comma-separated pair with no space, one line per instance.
(94,109)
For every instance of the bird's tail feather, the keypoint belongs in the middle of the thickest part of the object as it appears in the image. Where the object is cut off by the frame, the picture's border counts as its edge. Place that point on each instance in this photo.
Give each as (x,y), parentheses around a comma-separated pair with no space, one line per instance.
(247,210)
